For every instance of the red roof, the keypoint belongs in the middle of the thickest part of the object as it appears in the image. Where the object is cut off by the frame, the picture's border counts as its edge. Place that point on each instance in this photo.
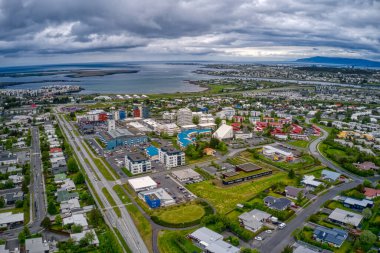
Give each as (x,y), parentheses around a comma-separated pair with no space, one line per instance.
(371,193)
(55,150)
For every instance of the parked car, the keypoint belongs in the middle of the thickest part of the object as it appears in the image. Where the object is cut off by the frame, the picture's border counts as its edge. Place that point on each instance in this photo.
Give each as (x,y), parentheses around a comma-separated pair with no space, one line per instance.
(282,226)
(258,238)
(268,231)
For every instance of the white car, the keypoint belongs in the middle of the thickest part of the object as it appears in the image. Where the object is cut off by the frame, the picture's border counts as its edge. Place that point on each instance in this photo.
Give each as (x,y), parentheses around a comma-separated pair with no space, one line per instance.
(258,238)
(282,226)
(268,231)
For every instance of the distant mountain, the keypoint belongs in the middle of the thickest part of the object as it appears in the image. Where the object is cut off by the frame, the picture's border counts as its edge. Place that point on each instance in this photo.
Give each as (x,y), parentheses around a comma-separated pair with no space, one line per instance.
(341,61)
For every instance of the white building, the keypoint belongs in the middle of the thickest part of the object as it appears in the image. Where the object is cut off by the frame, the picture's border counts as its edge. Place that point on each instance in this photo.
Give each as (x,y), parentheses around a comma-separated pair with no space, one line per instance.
(142,184)
(170,129)
(77,219)
(137,163)
(184,117)
(78,236)
(224,132)
(171,157)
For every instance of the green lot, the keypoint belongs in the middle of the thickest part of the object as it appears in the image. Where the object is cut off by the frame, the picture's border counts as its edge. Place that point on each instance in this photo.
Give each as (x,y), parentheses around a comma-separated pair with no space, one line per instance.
(299,143)
(225,199)
(175,241)
(181,214)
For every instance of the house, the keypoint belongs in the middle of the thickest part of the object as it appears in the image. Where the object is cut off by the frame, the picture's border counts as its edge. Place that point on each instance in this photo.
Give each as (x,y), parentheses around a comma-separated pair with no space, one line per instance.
(7,158)
(293,192)
(36,245)
(357,204)
(345,217)
(371,193)
(366,166)
(303,249)
(59,170)
(209,151)
(59,178)
(78,236)
(9,220)
(58,161)
(68,185)
(330,175)
(65,196)
(310,183)
(254,219)
(77,219)
(12,197)
(137,163)
(332,236)
(277,203)
(271,151)
(16,179)
(211,242)
(69,206)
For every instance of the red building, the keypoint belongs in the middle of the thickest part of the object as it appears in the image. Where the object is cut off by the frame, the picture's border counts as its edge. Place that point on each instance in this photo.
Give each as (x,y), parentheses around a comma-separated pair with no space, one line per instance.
(103,116)
(136,112)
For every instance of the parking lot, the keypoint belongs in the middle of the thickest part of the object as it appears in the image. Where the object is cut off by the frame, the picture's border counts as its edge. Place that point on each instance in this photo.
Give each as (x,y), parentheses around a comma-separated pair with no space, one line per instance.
(176,190)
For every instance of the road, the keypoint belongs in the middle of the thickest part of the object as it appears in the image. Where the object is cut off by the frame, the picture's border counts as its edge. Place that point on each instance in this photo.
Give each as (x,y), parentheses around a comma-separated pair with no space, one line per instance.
(37,191)
(37,188)
(124,224)
(282,238)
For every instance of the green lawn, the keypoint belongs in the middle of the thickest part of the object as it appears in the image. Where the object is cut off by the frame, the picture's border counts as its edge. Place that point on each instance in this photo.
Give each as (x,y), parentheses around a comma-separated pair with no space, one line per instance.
(175,241)
(121,194)
(181,214)
(225,198)
(299,143)
(111,201)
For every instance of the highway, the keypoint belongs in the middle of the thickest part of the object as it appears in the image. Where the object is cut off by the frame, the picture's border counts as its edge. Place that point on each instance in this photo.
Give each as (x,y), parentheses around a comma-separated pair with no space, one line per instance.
(284,237)
(124,224)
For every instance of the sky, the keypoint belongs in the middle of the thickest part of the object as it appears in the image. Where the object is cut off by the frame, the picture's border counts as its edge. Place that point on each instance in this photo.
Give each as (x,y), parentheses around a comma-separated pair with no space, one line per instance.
(69,31)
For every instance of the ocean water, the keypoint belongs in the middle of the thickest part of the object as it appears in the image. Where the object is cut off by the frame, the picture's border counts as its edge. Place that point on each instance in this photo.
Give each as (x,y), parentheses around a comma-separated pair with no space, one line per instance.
(151,78)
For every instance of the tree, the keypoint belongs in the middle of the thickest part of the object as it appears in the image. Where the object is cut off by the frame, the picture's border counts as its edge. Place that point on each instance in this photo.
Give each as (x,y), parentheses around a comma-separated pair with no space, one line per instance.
(318,115)
(21,237)
(76,228)
(367,213)
(58,220)
(90,237)
(79,178)
(291,174)
(367,239)
(19,203)
(72,165)
(218,121)
(299,197)
(2,202)
(46,222)
(196,120)
(367,183)
(52,209)
(95,217)
(287,249)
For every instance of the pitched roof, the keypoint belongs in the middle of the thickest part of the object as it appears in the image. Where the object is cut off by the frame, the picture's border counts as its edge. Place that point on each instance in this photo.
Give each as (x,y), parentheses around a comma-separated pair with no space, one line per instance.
(334,235)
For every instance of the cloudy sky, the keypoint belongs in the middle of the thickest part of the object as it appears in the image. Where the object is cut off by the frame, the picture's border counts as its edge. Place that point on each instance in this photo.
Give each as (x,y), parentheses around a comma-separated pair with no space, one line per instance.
(63,31)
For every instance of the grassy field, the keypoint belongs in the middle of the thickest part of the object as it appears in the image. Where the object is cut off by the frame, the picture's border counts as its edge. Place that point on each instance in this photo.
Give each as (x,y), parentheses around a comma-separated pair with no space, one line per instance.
(235,194)
(105,172)
(121,194)
(174,242)
(181,214)
(111,201)
(299,143)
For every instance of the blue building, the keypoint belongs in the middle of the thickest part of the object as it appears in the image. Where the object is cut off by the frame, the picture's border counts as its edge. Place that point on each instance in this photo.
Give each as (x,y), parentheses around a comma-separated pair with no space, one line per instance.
(152,152)
(122,114)
(122,137)
(153,201)
(145,112)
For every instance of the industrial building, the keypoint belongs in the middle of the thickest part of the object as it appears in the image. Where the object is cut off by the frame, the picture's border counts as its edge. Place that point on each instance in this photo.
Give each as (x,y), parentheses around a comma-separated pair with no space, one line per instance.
(142,184)
(156,198)
(224,132)
(129,136)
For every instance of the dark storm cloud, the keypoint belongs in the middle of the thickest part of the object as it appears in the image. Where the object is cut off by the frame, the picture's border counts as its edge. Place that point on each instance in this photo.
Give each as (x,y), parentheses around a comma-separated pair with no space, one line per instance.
(198,27)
